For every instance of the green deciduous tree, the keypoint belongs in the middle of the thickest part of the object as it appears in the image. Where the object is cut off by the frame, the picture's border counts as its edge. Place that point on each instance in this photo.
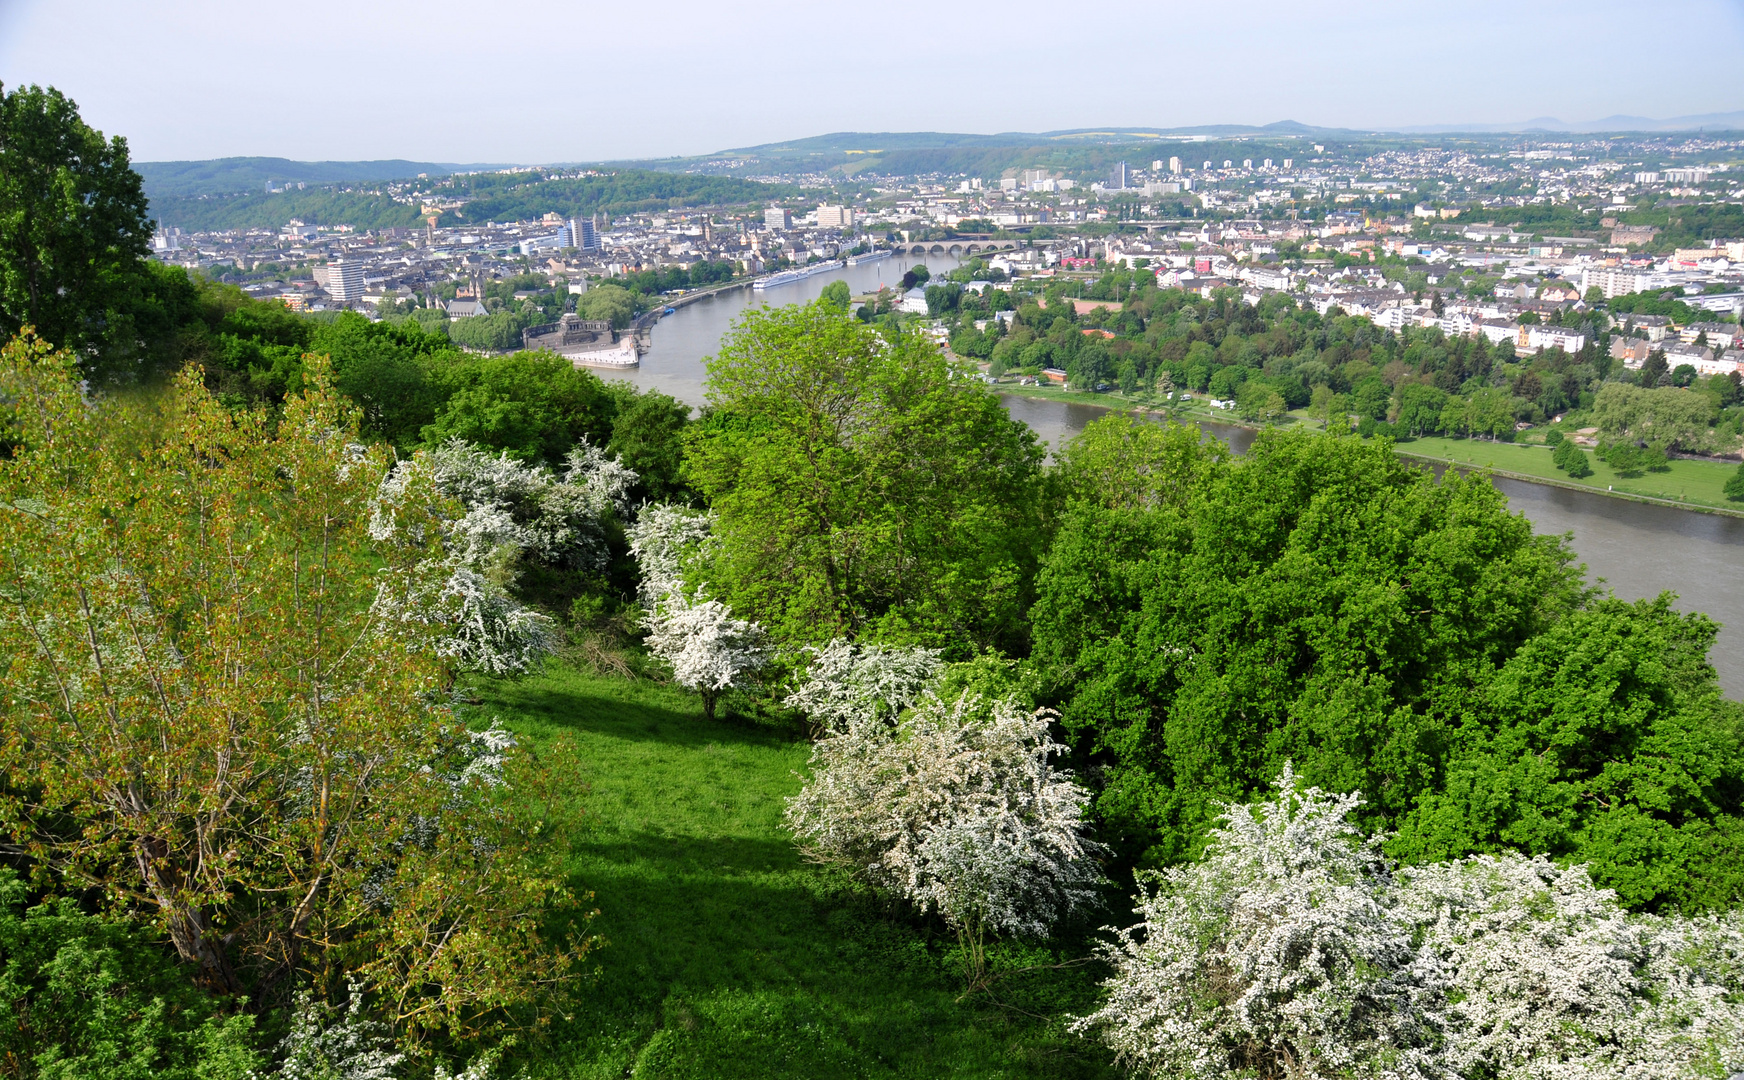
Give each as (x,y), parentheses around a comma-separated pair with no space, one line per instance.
(612,303)
(535,405)
(1316,601)
(837,295)
(1668,417)
(1420,408)
(210,723)
(73,229)
(1603,741)
(648,437)
(864,487)
(1735,486)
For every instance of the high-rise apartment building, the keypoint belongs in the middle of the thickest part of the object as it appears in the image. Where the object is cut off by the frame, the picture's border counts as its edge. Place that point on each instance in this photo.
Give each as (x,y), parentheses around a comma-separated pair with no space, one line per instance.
(777,217)
(1117,177)
(579,233)
(1175,165)
(345,281)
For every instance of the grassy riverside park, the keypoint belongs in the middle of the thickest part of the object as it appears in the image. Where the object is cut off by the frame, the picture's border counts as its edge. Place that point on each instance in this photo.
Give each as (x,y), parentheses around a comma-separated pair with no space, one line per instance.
(1692,484)
(729,955)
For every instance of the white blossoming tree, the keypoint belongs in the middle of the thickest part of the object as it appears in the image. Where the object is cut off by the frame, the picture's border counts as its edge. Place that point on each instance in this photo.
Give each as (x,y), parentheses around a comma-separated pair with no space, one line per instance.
(959,809)
(846,684)
(708,649)
(1273,956)
(1292,949)
(491,511)
(1549,977)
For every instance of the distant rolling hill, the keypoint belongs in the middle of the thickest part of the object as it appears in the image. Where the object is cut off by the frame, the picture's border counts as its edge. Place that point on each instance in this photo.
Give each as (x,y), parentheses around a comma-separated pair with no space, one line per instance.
(238,175)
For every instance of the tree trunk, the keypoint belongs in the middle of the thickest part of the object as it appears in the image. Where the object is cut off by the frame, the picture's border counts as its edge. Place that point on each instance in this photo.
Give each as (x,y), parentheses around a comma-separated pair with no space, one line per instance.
(709,697)
(188,927)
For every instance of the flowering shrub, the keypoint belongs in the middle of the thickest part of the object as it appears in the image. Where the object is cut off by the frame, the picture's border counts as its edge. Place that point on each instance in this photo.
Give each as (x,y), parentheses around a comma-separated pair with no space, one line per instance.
(709,650)
(491,511)
(845,684)
(1294,949)
(958,809)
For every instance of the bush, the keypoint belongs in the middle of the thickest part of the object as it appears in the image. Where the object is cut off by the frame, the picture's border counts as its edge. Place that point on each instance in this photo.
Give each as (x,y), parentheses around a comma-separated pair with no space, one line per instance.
(1735,486)
(1570,458)
(92,996)
(958,809)
(1294,949)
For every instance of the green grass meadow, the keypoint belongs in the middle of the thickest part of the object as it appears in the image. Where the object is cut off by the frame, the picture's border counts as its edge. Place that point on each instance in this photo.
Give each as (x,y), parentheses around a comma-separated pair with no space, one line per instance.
(727,954)
(1695,483)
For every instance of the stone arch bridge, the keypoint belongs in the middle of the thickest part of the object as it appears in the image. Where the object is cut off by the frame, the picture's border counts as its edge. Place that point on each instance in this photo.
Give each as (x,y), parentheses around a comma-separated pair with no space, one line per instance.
(959,247)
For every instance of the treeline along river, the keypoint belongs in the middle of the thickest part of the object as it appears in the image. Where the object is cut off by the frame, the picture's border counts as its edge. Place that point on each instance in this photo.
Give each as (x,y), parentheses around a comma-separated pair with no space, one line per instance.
(1635,549)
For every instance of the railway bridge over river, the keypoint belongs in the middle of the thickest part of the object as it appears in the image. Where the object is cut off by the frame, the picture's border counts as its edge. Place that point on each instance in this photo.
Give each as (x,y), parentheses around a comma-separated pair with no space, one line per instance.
(961,247)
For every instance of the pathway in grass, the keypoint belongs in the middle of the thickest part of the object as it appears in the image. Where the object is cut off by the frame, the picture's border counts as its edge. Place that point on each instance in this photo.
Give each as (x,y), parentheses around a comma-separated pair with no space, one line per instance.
(730,956)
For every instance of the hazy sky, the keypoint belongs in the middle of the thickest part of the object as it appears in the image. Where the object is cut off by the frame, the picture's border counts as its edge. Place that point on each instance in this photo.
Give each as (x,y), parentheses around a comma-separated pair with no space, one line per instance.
(550,80)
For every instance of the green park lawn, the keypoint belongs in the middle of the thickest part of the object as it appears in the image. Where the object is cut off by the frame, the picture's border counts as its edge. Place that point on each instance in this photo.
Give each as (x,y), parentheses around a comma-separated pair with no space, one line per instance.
(727,954)
(1697,483)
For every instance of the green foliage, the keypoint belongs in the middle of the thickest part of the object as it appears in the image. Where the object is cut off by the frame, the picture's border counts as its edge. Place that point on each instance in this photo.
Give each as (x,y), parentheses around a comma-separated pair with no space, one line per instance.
(648,437)
(73,230)
(1667,417)
(496,332)
(535,405)
(1316,601)
(92,997)
(1420,409)
(516,196)
(668,278)
(1571,459)
(612,303)
(837,295)
(520,196)
(864,488)
(1653,303)
(1602,741)
(943,299)
(392,370)
(1735,486)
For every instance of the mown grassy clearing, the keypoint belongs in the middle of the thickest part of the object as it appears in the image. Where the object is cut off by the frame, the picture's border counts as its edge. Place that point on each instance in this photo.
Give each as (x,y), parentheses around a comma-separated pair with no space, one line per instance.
(728,955)
(1697,483)
(1692,483)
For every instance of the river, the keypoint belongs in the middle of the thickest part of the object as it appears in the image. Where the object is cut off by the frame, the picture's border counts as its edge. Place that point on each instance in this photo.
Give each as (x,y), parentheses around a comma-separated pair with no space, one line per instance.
(1635,549)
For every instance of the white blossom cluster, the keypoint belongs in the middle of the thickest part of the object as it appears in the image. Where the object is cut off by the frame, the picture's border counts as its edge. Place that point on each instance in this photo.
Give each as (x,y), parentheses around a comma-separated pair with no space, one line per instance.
(509,510)
(1293,949)
(527,508)
(328,1043)
(846,685)
(710,650)
(325,1043)
(958,808)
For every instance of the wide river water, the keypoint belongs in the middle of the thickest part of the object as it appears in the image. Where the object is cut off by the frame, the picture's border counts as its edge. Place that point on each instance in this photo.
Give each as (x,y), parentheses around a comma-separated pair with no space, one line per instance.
(1635,549)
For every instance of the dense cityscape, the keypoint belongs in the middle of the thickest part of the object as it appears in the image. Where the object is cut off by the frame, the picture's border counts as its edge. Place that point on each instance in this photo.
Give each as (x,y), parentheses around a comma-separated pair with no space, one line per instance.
(1504,240)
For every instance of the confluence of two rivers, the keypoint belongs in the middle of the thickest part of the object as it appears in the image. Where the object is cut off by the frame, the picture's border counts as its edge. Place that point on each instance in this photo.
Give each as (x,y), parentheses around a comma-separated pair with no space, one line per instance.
(1635,549)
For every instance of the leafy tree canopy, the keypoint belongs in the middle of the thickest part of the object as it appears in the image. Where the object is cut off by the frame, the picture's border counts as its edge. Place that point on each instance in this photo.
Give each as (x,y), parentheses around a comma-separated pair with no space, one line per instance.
(73,229)
(864,487)
(1316,601)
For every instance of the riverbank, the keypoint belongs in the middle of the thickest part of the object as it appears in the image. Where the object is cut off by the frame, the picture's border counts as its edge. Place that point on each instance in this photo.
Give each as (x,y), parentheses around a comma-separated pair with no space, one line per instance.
(1686,484)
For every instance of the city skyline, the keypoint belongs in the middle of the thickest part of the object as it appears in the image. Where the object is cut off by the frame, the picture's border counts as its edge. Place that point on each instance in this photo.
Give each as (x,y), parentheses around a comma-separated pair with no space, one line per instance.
(448,82)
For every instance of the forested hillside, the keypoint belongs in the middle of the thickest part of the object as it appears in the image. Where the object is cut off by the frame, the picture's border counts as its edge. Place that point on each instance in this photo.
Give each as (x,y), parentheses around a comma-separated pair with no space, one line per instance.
(492,196)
